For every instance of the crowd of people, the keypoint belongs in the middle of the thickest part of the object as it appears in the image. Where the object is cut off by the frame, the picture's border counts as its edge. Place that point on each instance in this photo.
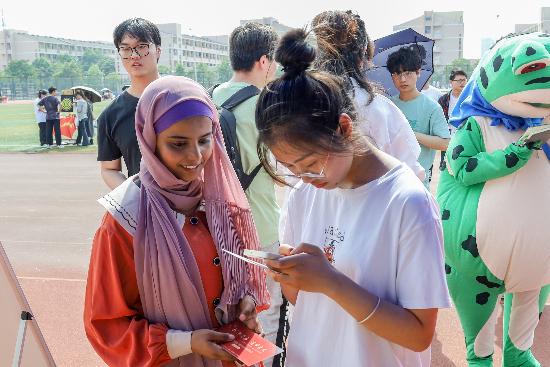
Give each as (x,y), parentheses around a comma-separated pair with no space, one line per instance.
(47,108)
(362,271)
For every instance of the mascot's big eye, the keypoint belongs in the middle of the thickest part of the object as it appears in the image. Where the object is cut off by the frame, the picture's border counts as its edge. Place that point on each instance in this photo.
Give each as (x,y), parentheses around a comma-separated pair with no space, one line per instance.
(532,67)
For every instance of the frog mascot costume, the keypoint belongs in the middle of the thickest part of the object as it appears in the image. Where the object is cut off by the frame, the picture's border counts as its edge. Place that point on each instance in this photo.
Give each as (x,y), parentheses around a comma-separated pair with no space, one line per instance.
(494,195)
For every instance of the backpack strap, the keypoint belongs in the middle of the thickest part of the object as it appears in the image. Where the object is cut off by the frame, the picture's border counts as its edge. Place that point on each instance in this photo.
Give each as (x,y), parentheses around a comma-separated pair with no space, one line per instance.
(240,96)
(229,130)
(210,90)
(246,180)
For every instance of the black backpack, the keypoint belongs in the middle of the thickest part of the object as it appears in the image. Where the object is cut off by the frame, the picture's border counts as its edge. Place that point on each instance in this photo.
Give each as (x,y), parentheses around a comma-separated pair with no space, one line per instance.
(228,124)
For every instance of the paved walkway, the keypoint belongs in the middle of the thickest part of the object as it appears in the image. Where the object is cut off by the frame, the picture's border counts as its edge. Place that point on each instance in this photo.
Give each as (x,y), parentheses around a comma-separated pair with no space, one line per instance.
(48,215)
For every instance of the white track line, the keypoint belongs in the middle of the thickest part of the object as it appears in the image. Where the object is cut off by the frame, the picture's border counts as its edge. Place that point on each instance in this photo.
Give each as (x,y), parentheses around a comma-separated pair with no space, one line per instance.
(53,279)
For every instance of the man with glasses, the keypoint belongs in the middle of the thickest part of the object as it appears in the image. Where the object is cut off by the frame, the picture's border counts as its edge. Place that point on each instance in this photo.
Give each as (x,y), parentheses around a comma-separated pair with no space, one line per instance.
(424,115)
(458,79)
(138,43)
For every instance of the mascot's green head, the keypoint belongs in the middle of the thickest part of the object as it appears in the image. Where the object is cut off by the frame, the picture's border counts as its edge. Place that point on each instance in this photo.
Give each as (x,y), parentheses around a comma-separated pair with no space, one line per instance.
(514,76)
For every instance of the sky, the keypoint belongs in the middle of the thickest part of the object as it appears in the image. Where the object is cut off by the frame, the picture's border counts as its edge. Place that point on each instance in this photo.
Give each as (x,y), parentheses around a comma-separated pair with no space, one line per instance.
(96,19)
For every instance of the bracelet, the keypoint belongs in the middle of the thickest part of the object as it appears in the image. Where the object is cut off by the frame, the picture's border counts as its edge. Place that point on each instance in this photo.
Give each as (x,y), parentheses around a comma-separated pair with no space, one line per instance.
(372,312)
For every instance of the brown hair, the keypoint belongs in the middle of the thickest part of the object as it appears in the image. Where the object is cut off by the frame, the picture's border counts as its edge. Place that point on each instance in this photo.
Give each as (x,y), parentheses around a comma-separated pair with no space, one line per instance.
(344,47)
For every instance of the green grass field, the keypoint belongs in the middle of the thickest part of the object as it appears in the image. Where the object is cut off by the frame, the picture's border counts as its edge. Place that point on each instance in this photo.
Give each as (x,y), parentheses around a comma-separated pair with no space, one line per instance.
(19,130)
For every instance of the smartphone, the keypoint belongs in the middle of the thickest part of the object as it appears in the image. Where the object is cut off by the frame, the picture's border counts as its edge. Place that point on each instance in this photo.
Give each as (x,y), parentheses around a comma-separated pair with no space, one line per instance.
(261,254)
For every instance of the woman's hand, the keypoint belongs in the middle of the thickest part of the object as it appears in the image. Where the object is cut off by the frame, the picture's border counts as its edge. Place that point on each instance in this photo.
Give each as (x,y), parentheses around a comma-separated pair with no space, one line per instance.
(248,314)
(306,268)
(207,343)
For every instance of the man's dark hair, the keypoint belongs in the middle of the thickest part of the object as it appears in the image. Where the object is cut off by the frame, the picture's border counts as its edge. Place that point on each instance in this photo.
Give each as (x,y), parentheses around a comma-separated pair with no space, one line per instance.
(79,93)
(51,89)
(41,93)
(248,43)
(407,58)
(454,73)
(138,28)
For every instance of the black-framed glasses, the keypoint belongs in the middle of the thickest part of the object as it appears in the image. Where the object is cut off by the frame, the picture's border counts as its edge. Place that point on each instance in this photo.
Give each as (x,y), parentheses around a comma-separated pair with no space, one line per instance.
(460,80)
(126,52)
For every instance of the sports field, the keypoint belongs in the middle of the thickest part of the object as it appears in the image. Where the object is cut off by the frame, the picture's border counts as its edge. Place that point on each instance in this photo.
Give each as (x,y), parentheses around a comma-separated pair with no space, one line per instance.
(19,130)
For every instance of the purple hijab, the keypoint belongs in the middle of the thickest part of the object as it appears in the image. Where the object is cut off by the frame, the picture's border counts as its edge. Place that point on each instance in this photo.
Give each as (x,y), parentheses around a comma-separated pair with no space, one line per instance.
(169,281)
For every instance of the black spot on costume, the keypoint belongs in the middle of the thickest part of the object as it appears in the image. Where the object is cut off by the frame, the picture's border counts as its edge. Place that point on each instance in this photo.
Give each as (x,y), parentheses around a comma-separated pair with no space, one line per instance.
(471,164)
(470,245)
(456,151)
(497,63)
(482,298)
(486,282)
(511,160)
(484,78)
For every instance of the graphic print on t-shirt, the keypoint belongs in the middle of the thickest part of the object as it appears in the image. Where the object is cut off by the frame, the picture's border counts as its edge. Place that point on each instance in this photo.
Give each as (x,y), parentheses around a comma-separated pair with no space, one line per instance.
(333,237)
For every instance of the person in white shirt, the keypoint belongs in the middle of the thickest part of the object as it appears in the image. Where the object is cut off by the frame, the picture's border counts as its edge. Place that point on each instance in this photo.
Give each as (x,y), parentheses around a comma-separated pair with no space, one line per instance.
(362,244)
(345,49)
(40,114)
(431,91)
(82,120)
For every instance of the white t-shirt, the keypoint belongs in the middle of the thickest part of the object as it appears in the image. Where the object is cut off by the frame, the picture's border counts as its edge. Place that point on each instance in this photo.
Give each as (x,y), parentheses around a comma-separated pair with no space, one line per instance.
(39,115)
(432,92)
(452,104)
(389,130)
(387,237)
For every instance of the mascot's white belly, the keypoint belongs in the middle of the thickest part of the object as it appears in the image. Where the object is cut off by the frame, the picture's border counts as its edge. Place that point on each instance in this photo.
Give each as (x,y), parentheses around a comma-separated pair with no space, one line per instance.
(513,219)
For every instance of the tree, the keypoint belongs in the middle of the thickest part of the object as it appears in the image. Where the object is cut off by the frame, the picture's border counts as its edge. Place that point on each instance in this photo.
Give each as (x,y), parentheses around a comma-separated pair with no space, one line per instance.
(224,70)
(205,75)
(180,70)
(90,57)
(107,65)
(63,58)
(20,69)
(113,77)
(43,67)
(461,64)
(164,70)
(68,69)
(95,71)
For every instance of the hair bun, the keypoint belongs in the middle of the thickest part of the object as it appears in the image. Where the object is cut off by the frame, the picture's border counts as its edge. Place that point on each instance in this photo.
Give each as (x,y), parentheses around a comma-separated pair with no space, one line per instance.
(293,53)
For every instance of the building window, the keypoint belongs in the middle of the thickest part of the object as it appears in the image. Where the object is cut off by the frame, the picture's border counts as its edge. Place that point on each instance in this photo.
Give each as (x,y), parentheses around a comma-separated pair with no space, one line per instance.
(427,29)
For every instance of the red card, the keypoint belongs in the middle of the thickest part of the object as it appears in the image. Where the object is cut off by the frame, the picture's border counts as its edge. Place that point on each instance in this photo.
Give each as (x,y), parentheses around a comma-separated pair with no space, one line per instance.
(248,347)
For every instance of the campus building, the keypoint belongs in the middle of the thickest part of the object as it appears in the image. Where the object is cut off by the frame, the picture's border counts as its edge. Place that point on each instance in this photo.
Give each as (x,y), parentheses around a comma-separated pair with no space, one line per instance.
(542,26)
(188,50)
(446,29)
(21,45)
(176,48)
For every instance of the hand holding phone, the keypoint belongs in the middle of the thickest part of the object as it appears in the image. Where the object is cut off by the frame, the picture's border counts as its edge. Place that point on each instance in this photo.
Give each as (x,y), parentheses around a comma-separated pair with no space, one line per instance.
(261,254)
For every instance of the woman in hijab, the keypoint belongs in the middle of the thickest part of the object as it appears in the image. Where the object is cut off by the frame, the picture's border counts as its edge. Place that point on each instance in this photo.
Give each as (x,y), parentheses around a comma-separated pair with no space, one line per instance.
(158,282)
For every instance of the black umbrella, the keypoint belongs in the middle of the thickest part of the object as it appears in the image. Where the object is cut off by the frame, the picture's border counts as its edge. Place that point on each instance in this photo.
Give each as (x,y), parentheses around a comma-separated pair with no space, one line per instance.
(387,45)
